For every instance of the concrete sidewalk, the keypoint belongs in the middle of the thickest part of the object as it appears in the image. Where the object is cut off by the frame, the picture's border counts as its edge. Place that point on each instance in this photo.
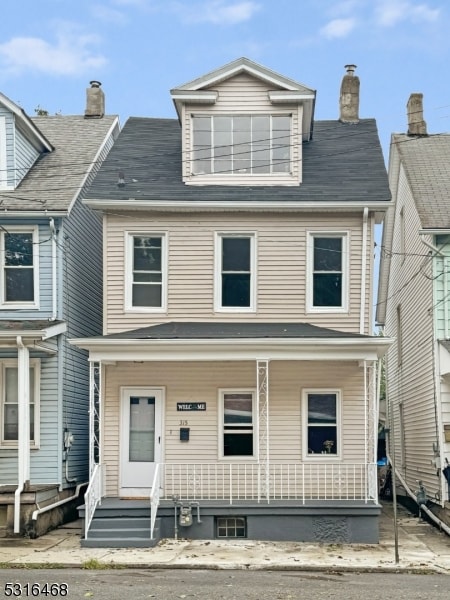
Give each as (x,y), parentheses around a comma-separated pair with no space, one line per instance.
(422,548)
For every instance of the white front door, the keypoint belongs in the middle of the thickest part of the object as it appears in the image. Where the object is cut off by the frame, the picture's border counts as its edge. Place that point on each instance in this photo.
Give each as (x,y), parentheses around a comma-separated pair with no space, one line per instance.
(140,439)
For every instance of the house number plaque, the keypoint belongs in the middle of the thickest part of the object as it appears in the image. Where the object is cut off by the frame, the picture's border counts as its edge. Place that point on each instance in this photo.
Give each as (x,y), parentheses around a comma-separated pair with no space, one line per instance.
(187,406)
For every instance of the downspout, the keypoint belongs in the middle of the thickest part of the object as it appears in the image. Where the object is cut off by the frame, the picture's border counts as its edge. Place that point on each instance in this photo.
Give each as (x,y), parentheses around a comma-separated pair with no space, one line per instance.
(423,507)
(54,296)
(23,438)
(362,318)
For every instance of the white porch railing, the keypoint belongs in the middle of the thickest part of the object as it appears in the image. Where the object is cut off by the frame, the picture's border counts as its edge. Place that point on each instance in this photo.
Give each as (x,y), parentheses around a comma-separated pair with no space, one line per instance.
(233,482)
(154,499)
(92,497)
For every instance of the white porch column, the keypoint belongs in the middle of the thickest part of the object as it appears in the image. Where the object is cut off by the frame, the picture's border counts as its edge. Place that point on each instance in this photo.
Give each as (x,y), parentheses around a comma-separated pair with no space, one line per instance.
(95,394)
(371,434)
(23,438)
(262,399)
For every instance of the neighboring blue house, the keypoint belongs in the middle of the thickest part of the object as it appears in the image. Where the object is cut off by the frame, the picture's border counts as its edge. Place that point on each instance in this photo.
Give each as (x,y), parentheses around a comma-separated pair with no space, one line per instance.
(50,288)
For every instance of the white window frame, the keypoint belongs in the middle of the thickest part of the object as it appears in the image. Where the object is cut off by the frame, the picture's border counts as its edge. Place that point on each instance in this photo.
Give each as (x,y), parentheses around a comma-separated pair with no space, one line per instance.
(129,246)
(11,229)
(219,236)
(237,173)
(304,411)
(35,364)
(255,429)
(345,237)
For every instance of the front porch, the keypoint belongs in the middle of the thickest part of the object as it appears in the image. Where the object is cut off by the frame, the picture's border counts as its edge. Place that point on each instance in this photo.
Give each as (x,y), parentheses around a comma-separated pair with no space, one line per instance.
(335,503)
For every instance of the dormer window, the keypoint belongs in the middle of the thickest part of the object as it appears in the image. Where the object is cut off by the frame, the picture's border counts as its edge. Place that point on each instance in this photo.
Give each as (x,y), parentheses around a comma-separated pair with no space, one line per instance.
(241,144)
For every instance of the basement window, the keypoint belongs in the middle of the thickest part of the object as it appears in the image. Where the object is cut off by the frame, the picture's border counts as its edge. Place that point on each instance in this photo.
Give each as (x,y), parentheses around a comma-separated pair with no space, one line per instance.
(231,527)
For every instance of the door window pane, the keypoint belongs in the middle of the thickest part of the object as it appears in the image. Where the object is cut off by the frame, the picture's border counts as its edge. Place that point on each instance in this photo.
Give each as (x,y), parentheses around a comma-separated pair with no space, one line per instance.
(142,429)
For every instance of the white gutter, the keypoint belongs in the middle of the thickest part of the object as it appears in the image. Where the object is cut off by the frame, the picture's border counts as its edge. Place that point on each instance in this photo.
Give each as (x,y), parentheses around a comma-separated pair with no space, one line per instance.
(76,494)
(362,320)
(426,510)
(54,297)
(259,205)
(23,441)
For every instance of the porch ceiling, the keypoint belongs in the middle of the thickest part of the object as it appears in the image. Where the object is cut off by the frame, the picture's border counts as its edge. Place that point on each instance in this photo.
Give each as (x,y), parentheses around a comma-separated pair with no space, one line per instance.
(233,341)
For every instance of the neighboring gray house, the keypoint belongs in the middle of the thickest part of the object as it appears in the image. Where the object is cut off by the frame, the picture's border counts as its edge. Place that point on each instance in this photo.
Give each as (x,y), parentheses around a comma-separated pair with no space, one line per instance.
(414,307)
(50,288)
(237,370)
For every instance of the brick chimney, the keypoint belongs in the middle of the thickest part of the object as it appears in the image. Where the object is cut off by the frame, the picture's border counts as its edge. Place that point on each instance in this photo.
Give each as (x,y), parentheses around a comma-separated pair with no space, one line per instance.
(95,101)
(349,99)
(414,107)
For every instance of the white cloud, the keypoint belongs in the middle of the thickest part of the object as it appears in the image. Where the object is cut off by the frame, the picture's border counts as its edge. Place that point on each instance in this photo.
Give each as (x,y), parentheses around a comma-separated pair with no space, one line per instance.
(71,54)
(218,12)
(338,28)
(391,12)
(108,14)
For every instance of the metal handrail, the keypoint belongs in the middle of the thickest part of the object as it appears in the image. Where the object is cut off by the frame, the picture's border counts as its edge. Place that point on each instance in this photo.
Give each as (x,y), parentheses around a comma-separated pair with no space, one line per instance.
(92,497)
(154,499)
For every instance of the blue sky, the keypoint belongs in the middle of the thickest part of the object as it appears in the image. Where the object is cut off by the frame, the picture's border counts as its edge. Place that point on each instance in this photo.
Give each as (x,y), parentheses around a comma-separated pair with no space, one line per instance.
(140,49)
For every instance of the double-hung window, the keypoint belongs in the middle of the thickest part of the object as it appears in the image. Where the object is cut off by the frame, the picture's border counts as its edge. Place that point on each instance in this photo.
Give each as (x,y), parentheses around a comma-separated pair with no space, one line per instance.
(327,272)
(146,272)
(321,423)
(19,261)
(237,423)
(241,144)
(9,390)
(235,272)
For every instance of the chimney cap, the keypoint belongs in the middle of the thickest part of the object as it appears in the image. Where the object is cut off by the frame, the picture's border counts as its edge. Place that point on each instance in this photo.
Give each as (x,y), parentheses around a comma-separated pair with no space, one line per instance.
(96,84)
(350,69)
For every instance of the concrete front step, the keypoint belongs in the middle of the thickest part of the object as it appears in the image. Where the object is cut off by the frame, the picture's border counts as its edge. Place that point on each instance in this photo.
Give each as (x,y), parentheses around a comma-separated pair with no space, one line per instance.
(128,542)
(100,522)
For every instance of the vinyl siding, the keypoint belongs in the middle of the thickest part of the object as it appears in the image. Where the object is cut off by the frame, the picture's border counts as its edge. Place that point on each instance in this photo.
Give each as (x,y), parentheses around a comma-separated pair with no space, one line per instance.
(20,154)
(244,94)
(81,278)
(410,380)
(43,466)
(281,267)
(202,381)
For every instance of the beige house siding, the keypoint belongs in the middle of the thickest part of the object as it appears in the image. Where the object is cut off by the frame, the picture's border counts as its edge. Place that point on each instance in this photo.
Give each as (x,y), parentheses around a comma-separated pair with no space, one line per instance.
(243,94)
(202,381)
(281,259)
(410,378)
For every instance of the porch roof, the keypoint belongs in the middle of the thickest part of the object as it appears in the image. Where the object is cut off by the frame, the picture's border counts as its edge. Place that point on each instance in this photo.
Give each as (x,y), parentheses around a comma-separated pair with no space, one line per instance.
(29,331)
(234,341)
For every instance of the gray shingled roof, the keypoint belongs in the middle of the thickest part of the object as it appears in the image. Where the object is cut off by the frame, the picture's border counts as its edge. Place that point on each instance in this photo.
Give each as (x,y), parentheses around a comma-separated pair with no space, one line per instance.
(56,178)
(343,163)
(426,161)
(229,330)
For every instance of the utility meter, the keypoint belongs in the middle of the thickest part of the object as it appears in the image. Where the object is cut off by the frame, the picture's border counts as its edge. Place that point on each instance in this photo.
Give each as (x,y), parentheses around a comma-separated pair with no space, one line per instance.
(185,516)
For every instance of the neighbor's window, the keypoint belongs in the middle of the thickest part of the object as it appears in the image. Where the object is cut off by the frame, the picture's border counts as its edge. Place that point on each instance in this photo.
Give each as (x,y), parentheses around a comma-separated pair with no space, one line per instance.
(237,423)
(9,399)
(241,144)
(235,269)
(147,272)
(321,420)
(19,260)
(327,272)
